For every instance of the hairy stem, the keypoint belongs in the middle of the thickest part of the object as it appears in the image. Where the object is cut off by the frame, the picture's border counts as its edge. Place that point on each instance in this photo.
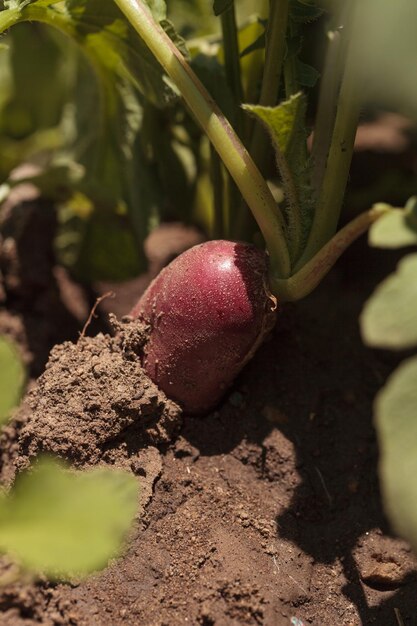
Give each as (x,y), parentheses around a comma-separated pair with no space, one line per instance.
(294,215)
(251,184)
(306,280)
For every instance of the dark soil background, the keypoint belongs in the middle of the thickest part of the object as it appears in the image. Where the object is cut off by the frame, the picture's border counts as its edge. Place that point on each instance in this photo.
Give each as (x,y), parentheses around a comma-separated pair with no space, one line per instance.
(267,511)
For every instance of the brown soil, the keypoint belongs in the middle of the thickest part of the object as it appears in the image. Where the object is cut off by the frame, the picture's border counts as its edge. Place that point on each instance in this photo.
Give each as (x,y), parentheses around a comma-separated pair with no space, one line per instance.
(263,511)
(266,511)
(94,402)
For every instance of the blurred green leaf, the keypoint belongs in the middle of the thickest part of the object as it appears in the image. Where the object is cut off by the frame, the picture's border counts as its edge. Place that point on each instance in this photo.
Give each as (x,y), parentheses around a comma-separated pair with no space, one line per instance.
(12,377)
(251,38)
(389,318)
(396,423)
(193,18)
(258,44)
(65,523)
(395,229)
(212,75)
(114,45)
(102,115)
(36,102)
(158,8)
(108,249)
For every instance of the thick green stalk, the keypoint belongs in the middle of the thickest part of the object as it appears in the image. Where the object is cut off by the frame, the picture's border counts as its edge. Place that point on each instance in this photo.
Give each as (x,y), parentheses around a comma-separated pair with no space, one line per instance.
(290,70)
(260,145)
(216,177)
(327,108)
(234,80)
(312,273)
(330,199)
(251,184)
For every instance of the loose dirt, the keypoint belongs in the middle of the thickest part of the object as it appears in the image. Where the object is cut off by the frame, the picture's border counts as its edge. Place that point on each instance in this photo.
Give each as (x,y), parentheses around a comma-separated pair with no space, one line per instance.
(265,512)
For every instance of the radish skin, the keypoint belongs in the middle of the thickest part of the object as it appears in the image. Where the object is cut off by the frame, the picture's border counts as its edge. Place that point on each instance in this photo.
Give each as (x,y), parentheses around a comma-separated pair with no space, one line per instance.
(208,311)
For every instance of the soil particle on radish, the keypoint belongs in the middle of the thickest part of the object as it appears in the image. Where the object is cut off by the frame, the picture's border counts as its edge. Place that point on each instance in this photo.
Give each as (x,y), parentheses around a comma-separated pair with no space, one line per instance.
(93,398)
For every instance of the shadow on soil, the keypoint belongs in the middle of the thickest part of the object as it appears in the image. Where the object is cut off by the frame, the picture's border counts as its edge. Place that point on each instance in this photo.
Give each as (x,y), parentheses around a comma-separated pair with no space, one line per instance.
(321,380)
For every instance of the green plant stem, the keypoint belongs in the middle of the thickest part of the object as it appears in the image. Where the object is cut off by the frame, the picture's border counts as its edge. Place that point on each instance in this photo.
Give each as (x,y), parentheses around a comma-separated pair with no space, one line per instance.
(327,109)
(260,145)
(10,17)
(234,80)
(274,59)
(294,216)
(336,173)
(216,177)
(290,71)
(232,61)
(306,280)
(251,184)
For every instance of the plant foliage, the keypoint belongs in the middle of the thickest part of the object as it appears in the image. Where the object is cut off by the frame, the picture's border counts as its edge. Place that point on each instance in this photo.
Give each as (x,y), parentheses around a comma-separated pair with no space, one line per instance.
(389,320)
(64,523)
(12,378)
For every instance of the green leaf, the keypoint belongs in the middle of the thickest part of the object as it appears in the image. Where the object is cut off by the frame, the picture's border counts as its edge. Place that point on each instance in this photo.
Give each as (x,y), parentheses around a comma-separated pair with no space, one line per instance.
(158,9)
(220,6)
(179,41)
(307,75)
(389,319)
(251,37)
(12,378)
(64,523)
(114,45)
(286,125)
(107,249)
(282,121)
(396,424)
(258,44)
(124,66)
(396,229)
(35,101)
(104,115)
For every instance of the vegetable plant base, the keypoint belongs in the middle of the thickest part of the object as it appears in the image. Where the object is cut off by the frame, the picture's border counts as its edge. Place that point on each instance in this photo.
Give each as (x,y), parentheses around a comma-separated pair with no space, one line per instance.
(265,512)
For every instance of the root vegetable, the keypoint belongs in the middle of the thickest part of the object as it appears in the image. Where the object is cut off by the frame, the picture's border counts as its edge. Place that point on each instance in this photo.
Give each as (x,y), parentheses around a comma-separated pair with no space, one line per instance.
(208,312)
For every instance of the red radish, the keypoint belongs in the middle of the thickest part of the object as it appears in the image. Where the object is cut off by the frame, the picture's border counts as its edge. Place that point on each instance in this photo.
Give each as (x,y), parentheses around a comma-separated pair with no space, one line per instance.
(208,312)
